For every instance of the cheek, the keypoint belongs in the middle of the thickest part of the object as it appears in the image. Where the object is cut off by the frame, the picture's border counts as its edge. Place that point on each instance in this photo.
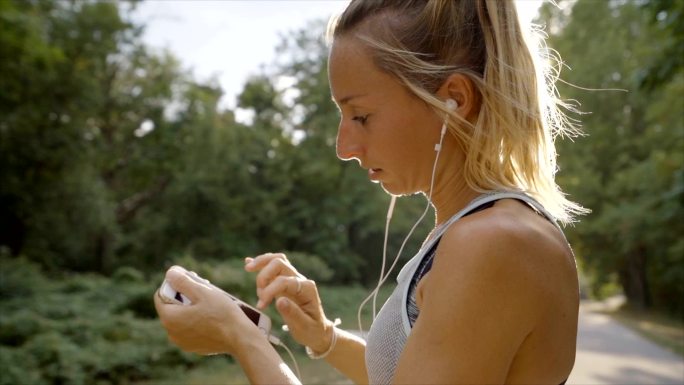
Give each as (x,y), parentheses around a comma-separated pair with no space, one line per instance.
(414,137)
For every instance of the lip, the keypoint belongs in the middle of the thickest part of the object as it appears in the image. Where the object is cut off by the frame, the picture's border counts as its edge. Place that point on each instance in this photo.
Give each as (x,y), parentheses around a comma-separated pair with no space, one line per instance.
(374,173)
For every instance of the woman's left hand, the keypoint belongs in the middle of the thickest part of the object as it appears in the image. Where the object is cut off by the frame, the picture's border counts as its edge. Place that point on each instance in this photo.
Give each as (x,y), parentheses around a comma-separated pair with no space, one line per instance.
(211,324)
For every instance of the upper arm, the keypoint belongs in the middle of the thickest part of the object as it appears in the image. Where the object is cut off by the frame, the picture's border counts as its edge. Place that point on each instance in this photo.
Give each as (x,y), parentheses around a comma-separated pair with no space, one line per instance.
(479,304)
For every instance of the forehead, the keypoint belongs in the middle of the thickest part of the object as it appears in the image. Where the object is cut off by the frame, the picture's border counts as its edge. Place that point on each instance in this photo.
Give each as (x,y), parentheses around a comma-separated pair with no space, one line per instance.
(352,71)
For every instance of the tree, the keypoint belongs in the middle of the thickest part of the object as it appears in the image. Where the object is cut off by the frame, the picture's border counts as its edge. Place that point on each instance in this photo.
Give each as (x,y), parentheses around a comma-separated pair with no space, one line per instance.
(86,140)
(629,169)
(665,15)
(112,155)
(52,91)
(327,208)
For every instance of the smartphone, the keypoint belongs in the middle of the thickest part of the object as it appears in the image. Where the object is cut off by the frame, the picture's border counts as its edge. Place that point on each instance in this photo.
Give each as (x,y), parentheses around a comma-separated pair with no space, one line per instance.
(169,295)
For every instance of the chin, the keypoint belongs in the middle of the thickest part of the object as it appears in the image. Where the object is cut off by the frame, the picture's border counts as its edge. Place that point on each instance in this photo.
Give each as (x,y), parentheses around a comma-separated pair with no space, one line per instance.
(396,190)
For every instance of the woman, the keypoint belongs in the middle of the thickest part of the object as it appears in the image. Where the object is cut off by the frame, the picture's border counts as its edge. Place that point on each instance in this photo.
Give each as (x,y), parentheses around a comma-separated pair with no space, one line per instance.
(442,98)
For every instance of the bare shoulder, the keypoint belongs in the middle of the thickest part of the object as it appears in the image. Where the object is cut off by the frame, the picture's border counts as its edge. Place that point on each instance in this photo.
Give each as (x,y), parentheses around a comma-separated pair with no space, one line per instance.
(498,305)
(511,251)
(509,232)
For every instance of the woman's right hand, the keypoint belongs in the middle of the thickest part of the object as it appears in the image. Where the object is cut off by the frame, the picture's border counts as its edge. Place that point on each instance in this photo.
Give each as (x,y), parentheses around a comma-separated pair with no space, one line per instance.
(297,299)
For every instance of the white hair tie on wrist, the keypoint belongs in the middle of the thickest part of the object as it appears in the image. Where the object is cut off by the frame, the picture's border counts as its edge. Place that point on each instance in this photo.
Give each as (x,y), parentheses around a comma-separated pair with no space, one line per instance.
(333,341)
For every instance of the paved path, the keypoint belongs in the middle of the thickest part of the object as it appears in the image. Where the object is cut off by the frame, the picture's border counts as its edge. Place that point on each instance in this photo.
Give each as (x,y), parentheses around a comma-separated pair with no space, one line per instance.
(609,353)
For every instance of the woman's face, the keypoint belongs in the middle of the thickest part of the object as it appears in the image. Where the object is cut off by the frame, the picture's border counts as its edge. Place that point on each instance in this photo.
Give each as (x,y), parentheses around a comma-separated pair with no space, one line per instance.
(391,132)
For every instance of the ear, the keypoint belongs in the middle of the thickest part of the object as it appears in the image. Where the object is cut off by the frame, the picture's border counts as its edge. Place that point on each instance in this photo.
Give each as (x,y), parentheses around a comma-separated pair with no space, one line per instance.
(460,88)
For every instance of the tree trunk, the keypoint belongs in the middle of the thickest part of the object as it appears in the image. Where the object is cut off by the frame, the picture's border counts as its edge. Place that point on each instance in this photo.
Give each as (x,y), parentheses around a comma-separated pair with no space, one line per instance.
(128,207)
(634,280)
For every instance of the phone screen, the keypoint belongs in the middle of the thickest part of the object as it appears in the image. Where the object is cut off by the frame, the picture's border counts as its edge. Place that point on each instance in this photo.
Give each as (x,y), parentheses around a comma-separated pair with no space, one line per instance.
(178,297)
(251,314)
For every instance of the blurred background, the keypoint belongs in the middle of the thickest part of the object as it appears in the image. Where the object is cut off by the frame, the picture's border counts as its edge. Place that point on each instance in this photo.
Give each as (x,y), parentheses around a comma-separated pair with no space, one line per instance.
(137,135)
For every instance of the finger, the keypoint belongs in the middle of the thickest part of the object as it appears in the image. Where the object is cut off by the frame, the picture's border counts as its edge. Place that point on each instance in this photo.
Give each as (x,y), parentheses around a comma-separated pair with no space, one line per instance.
(180,280)
(294,317)
(258,262)
(273,269)
(179,268)
(281,286)
(168,313)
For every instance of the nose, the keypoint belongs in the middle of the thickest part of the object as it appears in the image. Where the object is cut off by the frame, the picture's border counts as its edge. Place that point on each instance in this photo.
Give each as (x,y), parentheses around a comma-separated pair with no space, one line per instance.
(348,142)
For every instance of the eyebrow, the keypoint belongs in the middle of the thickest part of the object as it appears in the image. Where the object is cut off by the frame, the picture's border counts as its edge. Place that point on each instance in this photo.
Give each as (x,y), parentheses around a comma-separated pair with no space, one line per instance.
(347,99)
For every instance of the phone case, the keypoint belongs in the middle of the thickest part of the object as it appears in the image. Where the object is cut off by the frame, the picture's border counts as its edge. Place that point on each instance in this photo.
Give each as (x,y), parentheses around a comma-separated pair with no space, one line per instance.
(171,296)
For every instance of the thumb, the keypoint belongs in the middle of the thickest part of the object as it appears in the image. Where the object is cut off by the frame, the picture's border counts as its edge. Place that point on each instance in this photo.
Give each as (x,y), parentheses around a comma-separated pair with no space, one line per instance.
(293,315)
(179,280)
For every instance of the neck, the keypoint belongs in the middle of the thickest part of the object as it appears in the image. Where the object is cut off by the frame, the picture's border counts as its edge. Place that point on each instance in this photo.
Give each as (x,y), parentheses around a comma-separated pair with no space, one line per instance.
(451,193)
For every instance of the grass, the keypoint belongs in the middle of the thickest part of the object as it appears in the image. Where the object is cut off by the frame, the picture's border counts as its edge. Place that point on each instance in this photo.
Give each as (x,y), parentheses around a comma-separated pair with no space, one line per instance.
(339,302)
(660,329)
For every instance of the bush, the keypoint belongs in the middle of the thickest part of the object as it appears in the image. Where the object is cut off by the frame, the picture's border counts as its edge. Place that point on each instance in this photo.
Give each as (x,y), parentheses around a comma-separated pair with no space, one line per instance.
(127,274)
(18,327)
(228,274)
(140,304)
(83,283)
(312,266)
(19,277)
(60,360)
(19,367)
(81,329)
(90,329)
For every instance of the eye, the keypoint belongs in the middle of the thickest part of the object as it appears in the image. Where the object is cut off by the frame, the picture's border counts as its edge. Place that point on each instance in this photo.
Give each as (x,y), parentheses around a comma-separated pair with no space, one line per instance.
(361,119)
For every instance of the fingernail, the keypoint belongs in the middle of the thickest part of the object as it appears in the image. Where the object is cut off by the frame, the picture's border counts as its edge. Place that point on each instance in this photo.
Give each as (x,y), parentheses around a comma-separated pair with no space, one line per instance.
(260,304)
(175,271)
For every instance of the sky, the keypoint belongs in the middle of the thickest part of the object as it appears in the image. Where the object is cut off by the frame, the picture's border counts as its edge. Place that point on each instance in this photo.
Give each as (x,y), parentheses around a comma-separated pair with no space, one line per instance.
(230,39)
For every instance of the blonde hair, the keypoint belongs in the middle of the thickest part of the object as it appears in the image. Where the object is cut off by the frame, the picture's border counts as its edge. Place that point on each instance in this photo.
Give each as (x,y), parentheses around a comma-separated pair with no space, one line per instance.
(510,145)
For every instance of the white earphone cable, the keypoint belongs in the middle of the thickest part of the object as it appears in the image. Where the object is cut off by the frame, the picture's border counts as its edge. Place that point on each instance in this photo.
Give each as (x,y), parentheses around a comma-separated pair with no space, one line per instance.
(276,341)
(383,276)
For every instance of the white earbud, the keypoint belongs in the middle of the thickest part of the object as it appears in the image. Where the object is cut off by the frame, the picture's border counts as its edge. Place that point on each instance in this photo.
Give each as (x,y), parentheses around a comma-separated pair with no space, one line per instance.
(451,104)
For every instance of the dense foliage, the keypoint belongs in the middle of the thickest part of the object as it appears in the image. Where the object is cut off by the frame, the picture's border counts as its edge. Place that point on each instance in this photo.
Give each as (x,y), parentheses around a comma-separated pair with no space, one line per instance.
(85,328)
(112,155)
(115,164)
(82,329)
(629,168)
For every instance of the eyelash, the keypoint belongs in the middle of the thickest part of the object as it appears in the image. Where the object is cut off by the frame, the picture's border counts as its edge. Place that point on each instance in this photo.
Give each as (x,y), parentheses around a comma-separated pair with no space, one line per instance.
(361,119)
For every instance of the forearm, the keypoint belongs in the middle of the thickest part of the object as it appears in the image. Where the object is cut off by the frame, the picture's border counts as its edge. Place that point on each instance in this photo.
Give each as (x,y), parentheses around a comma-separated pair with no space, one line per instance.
(349,356)
(262,364)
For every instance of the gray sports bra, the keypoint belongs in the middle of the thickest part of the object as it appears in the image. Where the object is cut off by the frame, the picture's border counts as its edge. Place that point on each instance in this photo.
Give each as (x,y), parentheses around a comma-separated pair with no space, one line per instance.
(390,330)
